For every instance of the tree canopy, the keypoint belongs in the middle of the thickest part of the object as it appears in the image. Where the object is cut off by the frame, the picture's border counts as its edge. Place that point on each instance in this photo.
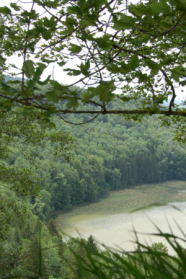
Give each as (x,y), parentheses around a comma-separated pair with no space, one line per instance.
(123,50)
(138,49)
(111,153)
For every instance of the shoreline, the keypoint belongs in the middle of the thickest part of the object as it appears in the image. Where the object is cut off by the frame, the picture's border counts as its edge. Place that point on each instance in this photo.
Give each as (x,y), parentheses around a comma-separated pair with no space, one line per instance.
(115,230)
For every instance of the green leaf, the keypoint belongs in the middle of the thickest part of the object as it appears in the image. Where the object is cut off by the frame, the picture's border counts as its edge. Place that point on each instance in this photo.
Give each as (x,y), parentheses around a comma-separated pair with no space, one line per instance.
(125,98)
(39,70)
(167,60)
(99,3)
(153,66)
(160,7)
(6,105)
(27,16)
(30,90)
(72,72)
(104,91)
(72,103)
(45,81)
(14,81)
(159,99)
(49,112)
(75,73)
(48,60)
(47,35)
(134,63)
(84,72)
(125,68)
(146,38)
(70,27)
(56,84)
(51,4)
(177,73)
(125,22)
(74,49)
(5,11)
(142,77)
(14,66)
(104,43)
(113,68)
(183,83)
(85,67)
(28,68)
(86,96)
(33,15)
(52,96)
(156,109)
(15,7)
(137,10)
(119,25)
(84,36)
(62,63)
(174,2)
(85,23)
(30,86)
(7,88)
(180,4)
(73,9)
(50,23)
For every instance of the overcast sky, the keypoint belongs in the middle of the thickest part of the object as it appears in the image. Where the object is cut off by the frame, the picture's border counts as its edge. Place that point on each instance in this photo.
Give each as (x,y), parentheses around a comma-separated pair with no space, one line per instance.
(53,68)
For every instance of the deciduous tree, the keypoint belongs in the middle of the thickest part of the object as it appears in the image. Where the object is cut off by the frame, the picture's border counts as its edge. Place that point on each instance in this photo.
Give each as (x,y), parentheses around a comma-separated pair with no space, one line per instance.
(136,48)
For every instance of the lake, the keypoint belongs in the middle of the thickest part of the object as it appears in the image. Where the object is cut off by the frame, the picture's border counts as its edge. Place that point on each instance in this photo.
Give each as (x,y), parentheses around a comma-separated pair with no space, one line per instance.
(111,224)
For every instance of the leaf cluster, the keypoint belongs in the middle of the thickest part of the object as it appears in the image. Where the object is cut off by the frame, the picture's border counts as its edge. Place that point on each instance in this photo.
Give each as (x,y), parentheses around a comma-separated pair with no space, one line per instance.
(138,50)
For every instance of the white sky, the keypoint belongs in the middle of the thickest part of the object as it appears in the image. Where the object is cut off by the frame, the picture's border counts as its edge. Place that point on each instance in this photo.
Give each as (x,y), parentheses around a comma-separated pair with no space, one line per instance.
(55,71)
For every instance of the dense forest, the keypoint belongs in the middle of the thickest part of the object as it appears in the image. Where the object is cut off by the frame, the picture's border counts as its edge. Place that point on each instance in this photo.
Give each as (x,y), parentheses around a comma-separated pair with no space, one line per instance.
(113,46)
(110,153)
(20,249)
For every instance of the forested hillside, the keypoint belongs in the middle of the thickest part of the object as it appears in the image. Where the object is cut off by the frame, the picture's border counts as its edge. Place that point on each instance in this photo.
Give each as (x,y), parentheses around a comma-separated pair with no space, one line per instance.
(111,153)
(107,46)
(25,235)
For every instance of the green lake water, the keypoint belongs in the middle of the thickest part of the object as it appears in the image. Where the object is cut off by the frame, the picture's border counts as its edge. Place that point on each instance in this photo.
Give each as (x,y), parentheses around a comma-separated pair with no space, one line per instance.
(109,221)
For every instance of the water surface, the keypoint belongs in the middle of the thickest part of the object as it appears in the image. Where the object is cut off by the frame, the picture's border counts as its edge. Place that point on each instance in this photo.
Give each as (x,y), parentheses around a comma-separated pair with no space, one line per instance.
(110,223)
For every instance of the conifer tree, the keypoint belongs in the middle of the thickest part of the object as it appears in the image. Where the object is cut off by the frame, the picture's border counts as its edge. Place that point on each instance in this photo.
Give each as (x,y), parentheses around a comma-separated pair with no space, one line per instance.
(52,228)
(32,260)
(27,232)
(91,243)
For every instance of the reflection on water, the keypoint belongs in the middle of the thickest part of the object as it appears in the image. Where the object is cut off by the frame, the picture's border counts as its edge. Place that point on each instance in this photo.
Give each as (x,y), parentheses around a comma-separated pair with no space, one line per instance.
(180,192)
(116,230)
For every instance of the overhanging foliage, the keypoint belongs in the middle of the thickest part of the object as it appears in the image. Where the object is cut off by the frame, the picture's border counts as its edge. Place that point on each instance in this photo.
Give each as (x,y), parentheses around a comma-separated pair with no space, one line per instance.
(137,48)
